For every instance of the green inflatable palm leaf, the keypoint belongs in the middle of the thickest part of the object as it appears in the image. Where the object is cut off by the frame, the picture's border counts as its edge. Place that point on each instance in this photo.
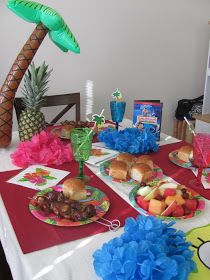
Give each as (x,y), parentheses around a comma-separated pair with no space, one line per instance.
(37,13)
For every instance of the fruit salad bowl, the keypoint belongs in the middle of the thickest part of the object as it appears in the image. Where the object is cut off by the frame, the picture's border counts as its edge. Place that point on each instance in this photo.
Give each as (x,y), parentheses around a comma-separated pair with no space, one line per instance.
(167,201)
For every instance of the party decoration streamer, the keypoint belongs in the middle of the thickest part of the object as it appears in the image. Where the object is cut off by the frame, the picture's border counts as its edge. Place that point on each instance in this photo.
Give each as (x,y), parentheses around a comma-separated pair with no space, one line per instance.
(89,98)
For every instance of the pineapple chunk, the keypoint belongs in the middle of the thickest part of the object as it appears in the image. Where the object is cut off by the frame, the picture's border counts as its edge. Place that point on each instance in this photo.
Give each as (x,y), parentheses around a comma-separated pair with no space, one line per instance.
(178,198)
(156,207)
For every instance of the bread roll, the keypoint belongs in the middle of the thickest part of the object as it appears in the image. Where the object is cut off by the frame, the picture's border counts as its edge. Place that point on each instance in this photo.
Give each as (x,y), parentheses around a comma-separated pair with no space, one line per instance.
(146,159)
(141,172)
(127,158)
(118,169)
(185,153)
(74,189)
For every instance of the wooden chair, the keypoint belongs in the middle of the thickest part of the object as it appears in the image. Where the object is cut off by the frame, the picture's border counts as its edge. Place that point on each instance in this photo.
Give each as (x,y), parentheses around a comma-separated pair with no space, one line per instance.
(180,130)
(70,99)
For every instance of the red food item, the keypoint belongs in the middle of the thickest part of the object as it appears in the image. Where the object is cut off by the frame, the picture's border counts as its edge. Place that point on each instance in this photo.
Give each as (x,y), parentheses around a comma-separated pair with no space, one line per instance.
(33,202)
(159,197)
(169,209)
(178,212)
(191,204)
(169,192)
(144,204)
(186,211)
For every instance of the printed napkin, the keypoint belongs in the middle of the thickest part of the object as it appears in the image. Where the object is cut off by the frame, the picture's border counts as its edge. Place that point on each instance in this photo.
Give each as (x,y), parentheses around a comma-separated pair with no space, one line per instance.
(205,179)
(38,177)
(100,154)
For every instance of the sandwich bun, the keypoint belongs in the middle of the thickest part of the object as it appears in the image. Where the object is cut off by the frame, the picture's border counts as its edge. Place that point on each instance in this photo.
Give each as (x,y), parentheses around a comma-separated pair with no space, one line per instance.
(141,172)
(146,159)
(118,169)
(185,153)
(74,189)
(127,158)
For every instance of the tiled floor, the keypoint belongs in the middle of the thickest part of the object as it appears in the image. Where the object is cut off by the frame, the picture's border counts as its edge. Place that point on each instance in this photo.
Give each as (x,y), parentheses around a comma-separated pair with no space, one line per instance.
(4,268)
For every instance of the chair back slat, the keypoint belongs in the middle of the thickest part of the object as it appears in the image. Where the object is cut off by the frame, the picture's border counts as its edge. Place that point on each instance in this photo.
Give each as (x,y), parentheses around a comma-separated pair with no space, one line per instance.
(60,115)
(70,99)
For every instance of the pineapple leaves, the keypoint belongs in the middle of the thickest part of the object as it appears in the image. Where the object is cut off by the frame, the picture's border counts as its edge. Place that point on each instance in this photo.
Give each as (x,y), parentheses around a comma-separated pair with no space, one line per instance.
(35,85)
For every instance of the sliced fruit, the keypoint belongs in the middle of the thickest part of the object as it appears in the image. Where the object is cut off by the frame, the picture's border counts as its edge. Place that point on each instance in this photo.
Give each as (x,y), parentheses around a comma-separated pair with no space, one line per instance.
(178,212)
(185,195)
(144,191)
(191,204)
(167,186)
(186,210)
(169,199)
(153,193)
(169,209)
(142,203)
(179,192)
(178,198)
(156,207)
(159,197)
(169,192)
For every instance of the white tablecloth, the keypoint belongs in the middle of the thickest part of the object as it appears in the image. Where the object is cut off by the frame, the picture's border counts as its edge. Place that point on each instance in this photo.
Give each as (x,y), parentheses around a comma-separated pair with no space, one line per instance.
(72,260)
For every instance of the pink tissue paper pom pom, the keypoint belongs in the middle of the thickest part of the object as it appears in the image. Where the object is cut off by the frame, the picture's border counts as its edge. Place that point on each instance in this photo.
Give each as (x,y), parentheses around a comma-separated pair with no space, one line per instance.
(44,148)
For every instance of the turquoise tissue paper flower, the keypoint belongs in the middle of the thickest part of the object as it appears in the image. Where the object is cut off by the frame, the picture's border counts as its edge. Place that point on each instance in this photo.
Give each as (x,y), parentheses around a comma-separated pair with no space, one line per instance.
(149,249)
(131,140)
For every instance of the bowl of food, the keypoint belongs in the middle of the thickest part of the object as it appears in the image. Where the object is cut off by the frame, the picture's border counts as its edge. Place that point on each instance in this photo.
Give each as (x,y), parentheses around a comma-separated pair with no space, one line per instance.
(167,200)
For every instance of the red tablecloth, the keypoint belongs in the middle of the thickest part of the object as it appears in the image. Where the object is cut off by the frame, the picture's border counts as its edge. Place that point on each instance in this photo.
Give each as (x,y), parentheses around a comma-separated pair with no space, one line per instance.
(33,234)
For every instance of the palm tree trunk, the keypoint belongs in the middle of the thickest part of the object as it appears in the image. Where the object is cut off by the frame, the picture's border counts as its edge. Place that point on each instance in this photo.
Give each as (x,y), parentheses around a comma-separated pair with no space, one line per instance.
(12,82)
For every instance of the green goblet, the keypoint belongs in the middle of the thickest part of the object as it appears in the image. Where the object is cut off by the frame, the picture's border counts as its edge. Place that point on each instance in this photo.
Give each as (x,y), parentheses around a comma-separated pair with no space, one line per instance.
(81,143)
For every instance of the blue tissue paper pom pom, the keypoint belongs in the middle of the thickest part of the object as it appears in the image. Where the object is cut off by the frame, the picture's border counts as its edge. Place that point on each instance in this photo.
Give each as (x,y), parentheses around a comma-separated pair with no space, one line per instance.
(131,140)
(149,249)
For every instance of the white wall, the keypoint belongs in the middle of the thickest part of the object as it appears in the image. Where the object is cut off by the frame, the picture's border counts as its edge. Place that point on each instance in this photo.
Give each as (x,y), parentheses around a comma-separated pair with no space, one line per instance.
(147,48)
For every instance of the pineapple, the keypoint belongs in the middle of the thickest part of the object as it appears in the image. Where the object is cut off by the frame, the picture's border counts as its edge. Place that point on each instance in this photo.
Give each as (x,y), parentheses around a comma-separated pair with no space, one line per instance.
(32,120)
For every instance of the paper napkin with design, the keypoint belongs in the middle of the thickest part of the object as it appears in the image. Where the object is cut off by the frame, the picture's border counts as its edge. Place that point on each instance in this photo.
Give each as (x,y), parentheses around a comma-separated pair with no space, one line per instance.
(205,179)
(100,154)
(38,177)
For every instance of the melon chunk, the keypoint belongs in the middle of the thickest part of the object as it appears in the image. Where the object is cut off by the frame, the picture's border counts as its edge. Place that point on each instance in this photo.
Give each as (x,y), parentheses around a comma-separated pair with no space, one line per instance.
(142,203)
(169,199)
(167,185)
(178,198)
(168,211)
(156,207)
(153,193)
(169,192)
(144,191)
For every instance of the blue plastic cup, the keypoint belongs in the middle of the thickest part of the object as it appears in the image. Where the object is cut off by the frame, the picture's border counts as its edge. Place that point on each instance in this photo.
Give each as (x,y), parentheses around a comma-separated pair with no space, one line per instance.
(117,111)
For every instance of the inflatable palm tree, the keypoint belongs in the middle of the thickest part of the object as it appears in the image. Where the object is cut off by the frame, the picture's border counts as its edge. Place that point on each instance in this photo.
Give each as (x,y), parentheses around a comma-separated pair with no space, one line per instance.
(47,20)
